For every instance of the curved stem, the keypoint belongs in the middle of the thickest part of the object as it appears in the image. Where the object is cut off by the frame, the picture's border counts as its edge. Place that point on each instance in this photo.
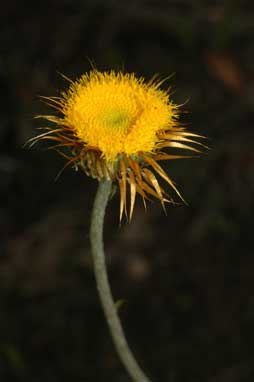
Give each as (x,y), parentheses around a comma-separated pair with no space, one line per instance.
(96,237)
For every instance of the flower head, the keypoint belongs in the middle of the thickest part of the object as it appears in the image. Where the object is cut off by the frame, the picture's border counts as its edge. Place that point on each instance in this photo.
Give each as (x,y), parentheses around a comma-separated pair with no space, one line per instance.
(116,126)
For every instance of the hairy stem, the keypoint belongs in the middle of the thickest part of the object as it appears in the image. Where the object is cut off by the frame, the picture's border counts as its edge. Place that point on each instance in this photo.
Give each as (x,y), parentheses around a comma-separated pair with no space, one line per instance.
(110,311)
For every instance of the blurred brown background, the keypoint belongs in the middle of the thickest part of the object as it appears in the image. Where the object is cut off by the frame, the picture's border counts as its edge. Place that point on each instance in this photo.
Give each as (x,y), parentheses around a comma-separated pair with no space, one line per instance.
(187,278)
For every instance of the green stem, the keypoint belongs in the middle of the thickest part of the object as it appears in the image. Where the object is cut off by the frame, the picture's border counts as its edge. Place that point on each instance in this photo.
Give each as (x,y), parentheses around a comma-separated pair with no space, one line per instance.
(110,311)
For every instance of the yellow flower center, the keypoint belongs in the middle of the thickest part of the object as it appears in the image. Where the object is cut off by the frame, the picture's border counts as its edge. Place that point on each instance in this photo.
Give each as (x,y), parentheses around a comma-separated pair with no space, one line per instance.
(116,119)
(117,113)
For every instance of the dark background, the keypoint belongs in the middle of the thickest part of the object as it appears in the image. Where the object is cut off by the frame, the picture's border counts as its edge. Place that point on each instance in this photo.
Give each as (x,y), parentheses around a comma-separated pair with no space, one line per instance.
(187,278)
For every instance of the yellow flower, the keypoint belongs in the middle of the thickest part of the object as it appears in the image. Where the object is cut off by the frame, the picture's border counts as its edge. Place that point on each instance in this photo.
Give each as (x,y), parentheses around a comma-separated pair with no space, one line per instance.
(115,126)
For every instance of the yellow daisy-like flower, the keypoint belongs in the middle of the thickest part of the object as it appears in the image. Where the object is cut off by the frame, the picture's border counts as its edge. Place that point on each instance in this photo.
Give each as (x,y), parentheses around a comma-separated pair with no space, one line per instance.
(116,126)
